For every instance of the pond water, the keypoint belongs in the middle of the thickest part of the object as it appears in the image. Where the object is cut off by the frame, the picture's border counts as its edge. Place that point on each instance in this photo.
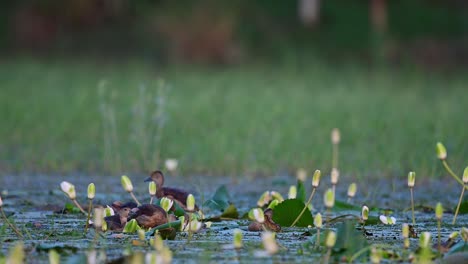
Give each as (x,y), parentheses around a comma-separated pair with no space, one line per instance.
(35,199)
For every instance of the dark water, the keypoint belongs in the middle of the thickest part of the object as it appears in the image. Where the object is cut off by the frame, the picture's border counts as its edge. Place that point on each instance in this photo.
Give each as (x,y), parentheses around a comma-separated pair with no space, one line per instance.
(34,198)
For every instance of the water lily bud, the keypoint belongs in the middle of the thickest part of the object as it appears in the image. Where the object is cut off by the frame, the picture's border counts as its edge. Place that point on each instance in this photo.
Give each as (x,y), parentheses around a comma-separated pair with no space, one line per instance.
(68,189)
(441,151)
(104,226)
(98,217)
(375,255)
(108,211)
(190,203)
(166,203)
(335,174)
(91,191)
(276,195)
(273,204)
(425,239)
(406,243)
(316,178)
(301,175)
(335,136)
(464,234)
(237,239)
(141,234)
(54,257)
(131,226)
(365,213)
(182,222)
(152,188)
(352,190)
(329,198)
(16,254)
(269,242)
(331,239)
(405,230)
(439,211)
(158,242)
(292,192)
(318,220)
(126,183)
(411,179)
(257,215)
(171,164)
(453,235)
(1,202)
(387,220)
(264,199)
(165,256)
(465,175)
(195,225)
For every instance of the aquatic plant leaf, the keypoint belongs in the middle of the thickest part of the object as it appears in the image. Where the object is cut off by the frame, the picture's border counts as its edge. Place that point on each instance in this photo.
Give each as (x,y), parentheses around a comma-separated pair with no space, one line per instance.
(230,212)
(461,246)
(349,240)
(220,200)
(301,194)
(175,224)
(463,208)
(341,206)
(71,209)
(287,211)
(179,211)
(60,248)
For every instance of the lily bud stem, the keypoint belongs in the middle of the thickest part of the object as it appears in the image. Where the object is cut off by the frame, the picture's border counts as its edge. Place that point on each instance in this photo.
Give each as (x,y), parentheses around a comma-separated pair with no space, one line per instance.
(135,199)
(79,206)
(90,207)
(450,171)
(458,206)
(305,207)
(10,224)
(412,206)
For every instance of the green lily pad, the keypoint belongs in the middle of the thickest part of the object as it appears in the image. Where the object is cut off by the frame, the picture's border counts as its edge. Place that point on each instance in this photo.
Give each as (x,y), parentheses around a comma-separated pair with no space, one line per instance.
(230,212)
(220,200)
(287,211)
(341,206)
(349,240)
(463,208)
(461,246)
(175,224)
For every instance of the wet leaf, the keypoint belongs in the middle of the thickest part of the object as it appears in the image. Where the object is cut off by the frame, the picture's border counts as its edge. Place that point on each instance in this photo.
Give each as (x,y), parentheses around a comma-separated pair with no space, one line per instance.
(179,211)
(60,248)
(220,200)
(349,240)
(230,212)
(463,208)
(461,246)
(287,211)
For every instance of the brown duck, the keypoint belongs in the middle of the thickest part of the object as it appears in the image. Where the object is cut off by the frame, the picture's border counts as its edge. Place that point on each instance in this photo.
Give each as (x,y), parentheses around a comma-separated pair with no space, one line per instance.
(269,224)
(177,195)
(117,221)
(148,215)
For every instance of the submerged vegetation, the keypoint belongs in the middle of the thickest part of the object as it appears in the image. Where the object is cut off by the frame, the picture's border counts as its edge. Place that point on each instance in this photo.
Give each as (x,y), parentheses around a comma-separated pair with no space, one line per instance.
(346,234)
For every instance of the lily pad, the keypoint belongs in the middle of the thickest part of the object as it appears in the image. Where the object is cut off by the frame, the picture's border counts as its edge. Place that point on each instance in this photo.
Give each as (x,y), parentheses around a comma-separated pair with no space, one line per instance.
(287,211)
(220,200)
(349,240)
(463,208)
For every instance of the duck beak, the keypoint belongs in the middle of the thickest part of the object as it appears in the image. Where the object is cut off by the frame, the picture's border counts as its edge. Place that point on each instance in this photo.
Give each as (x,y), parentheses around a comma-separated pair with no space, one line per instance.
(148,179)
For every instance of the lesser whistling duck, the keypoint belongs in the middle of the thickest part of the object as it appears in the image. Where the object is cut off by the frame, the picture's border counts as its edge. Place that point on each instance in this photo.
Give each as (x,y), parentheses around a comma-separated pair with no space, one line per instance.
(177,195)
(117,221)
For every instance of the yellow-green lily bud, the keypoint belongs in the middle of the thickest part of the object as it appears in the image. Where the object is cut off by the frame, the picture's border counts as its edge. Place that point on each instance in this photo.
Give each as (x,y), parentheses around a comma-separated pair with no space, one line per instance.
(301,175)
(182,223)
(257,215)
(54,257)
(365,213)
(465,175)
(316,178)
(194,225)
(126,183)
(91,191)
(375,256)
(411,179)
(405,231)
(318,220)
(439,211)
(464,234)
(158,242)
(152,188)
(292,192)
(131,226)
(16,254)
(425,239)
(335,136)
(108,211)
(190,203)
(335,175)
(276,195)
(68,189)
(273,204)
(441,151)
(329,198)
(141,234)
(352,189)
(166,203)
(453,235)
(331,239)
(237,238)
(165,255)
(264,199)
(269,242)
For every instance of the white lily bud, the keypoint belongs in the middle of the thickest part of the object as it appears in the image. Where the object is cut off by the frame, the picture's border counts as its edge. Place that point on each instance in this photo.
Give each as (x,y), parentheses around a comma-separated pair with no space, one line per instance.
(190,203)
(329,198)
(335,174)
(166,203)
(365,213)
(264,199)
(152,188)
(98,217)
(465,175)
(439,211)
(257,215)
(352,189)
(301,175)
(441,151)
(405,231)
(237,238)
(331,239)
(68,189)
(171,164)
(126,183)
(411,179)
(292,194)
(316,178)
(318,220)
(91,191)
(425,239)
(335,136)
(269,242)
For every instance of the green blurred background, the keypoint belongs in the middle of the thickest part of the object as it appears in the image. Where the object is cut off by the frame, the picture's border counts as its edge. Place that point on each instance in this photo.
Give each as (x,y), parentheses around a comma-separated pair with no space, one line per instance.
(232,87)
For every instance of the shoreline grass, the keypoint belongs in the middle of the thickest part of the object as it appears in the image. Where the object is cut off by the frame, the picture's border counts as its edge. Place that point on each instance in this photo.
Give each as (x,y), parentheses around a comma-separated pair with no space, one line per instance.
(235,120)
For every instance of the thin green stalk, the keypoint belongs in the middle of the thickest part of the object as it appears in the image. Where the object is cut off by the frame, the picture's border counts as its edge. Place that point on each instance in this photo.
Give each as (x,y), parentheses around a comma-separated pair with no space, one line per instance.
(439,249)
(318,237)
(90,206)
(450,171)
(13,227)
(326,259)
(79,206)
(335,156)
(135,199)
(458,206)
(412,206)
(305,207)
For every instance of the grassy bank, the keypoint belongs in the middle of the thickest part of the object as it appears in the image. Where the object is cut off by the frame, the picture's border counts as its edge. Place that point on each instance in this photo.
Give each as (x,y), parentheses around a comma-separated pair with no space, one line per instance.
(68,117)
